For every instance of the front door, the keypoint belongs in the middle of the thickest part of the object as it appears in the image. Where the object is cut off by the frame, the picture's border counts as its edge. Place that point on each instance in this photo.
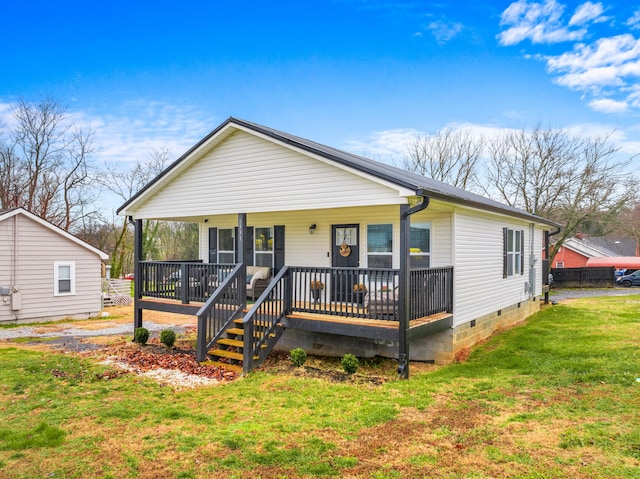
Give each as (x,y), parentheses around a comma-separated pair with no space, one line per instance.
(345,254)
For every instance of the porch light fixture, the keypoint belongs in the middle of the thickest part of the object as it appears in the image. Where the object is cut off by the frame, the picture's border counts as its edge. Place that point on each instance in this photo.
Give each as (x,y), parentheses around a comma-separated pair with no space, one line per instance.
(312,229)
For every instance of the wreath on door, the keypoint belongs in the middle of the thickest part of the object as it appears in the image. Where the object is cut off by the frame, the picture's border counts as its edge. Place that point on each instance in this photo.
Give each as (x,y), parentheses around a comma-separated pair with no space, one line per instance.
(345,249)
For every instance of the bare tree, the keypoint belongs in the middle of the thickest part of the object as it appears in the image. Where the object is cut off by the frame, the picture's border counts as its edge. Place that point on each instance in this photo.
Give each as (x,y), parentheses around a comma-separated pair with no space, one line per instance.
(124,184)
(44,164)
(567,178)
(628,224)
(450,156)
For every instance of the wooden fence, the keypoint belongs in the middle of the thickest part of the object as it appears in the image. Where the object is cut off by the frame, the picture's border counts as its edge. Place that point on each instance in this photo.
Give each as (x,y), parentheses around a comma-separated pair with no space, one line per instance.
(583,277)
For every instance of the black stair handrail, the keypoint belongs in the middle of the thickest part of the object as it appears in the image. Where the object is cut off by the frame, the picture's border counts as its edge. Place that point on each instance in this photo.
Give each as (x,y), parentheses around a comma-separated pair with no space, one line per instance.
(262,320)
(224,305)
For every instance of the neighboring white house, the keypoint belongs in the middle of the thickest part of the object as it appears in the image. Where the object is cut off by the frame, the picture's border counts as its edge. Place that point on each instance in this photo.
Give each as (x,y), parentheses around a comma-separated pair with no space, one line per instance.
(46,273)
(312,206)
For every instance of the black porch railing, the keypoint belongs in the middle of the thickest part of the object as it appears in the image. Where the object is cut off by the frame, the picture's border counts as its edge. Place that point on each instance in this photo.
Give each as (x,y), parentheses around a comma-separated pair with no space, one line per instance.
(350,292)
(369,293)
(262,323)
(164,279)
(224,305)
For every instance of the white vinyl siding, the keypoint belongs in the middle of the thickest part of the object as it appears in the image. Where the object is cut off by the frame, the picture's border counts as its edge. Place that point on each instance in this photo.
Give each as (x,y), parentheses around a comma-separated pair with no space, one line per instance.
(38,250)
(248,173)
(479,286)
(304,249)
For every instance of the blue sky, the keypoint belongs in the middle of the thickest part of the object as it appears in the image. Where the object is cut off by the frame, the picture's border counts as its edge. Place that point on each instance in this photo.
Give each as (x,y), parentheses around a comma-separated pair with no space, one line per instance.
(360,75)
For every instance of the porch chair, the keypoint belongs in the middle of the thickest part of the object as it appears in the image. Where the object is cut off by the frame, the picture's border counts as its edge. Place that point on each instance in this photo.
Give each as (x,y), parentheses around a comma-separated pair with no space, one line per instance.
(383,303)
(258,278)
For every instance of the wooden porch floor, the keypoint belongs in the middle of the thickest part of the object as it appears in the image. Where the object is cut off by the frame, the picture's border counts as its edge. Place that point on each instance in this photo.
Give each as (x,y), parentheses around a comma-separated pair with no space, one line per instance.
(367,328)
(330,323)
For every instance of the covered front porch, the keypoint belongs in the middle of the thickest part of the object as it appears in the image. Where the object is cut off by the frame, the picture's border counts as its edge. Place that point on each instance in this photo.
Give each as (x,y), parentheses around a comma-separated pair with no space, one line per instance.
(374,303)
(358,302)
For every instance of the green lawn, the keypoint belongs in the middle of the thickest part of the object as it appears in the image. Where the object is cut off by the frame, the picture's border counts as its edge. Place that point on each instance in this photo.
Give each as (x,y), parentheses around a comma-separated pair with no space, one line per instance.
(558,397)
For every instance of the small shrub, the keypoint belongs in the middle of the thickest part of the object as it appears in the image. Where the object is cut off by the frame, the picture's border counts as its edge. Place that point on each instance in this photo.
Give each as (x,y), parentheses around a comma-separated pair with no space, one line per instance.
(141,335)
(298,357)
(168,338)
(349,363)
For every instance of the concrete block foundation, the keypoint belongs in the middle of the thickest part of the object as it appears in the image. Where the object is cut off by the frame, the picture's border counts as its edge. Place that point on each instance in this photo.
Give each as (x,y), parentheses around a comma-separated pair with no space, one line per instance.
(440,347)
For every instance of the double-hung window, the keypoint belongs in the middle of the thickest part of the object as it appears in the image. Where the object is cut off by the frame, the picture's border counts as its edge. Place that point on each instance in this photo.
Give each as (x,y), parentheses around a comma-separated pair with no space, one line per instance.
(420,245)
(226,246)
(263,247)
(64,278)
(513,257)
(380,246)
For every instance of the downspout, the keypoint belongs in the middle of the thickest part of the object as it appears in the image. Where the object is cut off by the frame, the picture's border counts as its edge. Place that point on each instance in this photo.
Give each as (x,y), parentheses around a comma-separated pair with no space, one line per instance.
(14,287)
(14,268)
(547,254)
(404,301)
(137,286)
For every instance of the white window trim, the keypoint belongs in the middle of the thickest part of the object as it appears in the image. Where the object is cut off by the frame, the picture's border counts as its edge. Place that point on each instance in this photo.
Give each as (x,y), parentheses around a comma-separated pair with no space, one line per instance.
(514,252)
(56,277)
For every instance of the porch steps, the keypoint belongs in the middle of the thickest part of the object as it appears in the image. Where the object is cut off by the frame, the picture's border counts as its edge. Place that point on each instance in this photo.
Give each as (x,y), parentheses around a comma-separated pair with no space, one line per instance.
(231,342)
(225,353)
(228,352)
(229,367)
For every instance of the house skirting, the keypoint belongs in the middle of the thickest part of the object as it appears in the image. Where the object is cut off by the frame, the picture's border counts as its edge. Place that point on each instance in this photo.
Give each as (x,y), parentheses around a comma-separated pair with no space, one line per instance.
(440,347)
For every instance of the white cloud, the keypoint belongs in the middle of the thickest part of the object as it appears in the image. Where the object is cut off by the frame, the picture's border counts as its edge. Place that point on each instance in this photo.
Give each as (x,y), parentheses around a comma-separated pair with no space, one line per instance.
(634,21)
(134,130)
(543,22)
(607,105)
(587,12)
(131,131)
(444,31)
(538,22)
(606,69)
(388,146)
(391,145)
(7,120)
(609,66)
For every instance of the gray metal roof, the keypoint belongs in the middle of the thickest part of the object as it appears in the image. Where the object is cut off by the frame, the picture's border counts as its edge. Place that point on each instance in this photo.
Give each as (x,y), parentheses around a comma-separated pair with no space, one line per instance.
(403,178)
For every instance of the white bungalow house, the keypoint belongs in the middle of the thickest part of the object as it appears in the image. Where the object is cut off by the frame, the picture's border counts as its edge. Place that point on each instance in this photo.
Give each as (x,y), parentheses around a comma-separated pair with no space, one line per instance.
(45,272)
(359,257)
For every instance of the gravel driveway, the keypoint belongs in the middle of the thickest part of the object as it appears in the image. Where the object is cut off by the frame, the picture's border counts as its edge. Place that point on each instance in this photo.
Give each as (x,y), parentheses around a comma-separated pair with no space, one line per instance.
(66,330)
(562,294)
(76,335)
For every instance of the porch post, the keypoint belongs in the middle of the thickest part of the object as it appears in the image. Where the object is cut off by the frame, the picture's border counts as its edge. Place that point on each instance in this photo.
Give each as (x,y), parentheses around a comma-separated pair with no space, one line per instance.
(242,239)
(404,297)
(137,272)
